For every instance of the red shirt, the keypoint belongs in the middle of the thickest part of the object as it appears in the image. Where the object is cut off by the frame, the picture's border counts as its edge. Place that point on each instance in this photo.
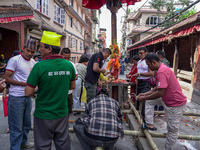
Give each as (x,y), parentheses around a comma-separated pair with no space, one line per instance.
(133,71)
(166,79)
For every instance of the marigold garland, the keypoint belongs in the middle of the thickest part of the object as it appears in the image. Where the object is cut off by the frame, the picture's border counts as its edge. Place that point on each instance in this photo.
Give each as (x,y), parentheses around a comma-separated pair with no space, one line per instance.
(114,58)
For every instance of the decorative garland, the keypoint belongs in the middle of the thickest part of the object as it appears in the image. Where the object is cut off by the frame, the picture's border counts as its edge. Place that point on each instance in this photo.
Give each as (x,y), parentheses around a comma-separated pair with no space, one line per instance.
(114,59)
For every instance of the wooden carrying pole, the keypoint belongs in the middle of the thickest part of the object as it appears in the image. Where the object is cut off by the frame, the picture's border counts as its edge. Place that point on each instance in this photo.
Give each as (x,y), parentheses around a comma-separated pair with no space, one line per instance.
(83,110)
(156,112)
(146,132)
(156,134)
(162,135)
(185,113)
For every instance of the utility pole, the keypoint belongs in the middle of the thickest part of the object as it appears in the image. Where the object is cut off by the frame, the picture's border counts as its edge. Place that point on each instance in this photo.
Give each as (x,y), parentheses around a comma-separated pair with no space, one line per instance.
(125,32)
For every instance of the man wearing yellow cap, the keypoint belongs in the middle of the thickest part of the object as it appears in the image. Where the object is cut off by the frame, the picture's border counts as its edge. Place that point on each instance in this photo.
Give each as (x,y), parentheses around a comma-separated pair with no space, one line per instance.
(53,76)
(19,106)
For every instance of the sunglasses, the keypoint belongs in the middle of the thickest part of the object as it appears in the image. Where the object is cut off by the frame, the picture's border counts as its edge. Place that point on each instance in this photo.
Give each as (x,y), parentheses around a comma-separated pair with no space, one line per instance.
(140,53)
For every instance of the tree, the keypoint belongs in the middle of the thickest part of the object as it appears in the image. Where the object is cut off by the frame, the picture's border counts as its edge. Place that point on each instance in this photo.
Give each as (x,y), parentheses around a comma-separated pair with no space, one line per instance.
(172,8)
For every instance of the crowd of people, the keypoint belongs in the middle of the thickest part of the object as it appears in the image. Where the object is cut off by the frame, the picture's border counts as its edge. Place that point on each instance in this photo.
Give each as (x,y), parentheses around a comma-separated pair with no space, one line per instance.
(59,83)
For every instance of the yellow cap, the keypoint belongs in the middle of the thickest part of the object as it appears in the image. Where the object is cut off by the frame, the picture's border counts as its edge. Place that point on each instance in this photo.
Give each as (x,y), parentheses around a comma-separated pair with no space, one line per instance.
(2,55)
(51,38)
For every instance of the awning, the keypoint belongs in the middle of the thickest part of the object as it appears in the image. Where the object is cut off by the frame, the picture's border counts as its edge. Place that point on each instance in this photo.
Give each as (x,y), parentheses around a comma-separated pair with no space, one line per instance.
(182,33)
(11,19)
(17,12)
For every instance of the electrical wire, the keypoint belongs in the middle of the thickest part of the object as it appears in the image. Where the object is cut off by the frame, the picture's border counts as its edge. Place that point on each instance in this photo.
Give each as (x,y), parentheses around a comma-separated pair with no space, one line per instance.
(74,23)
(188,7)
(131,16)
(49,24)
(139,8)
(40,16)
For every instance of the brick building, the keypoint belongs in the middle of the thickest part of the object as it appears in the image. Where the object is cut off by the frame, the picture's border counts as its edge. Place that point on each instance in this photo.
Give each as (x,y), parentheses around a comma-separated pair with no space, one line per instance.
(12,27)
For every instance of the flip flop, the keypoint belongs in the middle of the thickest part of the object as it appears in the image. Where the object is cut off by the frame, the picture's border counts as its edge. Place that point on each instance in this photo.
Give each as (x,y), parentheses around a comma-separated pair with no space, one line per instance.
(8,131)
(147,128)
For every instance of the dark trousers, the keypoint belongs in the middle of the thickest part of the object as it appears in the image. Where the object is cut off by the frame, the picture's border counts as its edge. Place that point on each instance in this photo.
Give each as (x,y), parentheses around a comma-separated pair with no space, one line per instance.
(47,130)
(91,90)
(70,103)
(142,87)
(88,143)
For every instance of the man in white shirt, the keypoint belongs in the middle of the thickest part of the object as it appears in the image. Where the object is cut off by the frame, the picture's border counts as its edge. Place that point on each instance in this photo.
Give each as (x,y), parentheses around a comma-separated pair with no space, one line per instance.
(66,53)
(19,106)
(143,76)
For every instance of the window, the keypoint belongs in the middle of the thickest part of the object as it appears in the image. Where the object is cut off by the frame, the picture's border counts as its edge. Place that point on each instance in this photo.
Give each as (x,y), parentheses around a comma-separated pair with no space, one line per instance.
(71,2)
(70,41)
(76,25)
(82,14)
(153,20)
(77,8)
(129,42)
(70,21)
(59,14)
(43,6)
(73,59)
(76,43)
(81,29)
(73,40)
(81,45)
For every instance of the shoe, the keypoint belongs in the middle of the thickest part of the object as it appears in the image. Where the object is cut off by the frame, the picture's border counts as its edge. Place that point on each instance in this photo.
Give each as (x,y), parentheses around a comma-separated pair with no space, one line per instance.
(155,115)
(8,131)
(77,113)
(144,126)
(28,145)
(161,115)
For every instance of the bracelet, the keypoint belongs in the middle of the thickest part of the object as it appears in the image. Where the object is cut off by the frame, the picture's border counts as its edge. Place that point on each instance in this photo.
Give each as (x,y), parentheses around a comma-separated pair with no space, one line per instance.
(139,75)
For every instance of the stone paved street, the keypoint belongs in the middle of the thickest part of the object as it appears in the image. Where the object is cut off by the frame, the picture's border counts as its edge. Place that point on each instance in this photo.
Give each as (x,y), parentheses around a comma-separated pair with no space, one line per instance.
(190,125)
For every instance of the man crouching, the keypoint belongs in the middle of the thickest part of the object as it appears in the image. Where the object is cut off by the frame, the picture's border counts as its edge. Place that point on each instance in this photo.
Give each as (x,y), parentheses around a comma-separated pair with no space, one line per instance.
(103,124)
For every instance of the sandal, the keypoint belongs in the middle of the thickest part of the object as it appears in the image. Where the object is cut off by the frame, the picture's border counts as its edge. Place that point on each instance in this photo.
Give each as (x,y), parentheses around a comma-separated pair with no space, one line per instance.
(8,131)
(144,126)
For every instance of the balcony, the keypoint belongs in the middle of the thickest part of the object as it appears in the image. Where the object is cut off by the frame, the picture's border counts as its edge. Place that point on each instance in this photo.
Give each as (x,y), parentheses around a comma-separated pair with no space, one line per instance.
(95,20)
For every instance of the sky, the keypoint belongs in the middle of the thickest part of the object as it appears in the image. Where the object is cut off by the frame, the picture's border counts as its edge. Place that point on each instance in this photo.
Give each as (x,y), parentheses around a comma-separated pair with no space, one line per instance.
(105,19)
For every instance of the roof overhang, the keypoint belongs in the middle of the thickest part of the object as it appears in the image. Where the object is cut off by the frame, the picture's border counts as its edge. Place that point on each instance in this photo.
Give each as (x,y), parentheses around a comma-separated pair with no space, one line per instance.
(76,15)
(15,13)
(183,28)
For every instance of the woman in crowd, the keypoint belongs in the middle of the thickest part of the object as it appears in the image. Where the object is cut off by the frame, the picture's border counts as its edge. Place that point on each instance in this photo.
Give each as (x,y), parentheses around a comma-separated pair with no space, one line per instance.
(81,68)
(132,78)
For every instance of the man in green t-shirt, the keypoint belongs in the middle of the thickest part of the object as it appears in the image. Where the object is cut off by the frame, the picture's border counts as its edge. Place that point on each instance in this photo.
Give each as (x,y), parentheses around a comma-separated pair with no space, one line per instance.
(53,76)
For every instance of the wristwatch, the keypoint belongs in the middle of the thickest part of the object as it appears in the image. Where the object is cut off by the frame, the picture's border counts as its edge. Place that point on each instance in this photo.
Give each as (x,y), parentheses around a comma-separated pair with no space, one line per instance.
(139,74)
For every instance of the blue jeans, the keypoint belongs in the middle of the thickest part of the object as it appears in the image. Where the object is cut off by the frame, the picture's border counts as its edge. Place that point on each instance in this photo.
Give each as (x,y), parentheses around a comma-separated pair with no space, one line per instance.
(19,120)
(77,93)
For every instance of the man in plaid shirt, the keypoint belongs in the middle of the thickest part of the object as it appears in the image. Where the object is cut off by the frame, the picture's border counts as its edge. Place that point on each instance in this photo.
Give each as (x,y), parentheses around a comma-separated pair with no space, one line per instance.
(103,124)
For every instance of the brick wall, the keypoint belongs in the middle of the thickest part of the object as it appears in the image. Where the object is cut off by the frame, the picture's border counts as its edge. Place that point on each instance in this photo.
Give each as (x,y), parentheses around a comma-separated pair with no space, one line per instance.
(14,26)
(9,42)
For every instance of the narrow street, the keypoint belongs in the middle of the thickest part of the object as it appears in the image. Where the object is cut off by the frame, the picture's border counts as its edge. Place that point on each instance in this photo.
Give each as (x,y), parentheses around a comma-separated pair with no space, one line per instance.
(189,126)
(125,143)
(146,33)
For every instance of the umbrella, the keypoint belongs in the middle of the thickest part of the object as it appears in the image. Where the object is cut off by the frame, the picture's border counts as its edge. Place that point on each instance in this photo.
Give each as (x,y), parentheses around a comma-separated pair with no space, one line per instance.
(113,6)
(96,4)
